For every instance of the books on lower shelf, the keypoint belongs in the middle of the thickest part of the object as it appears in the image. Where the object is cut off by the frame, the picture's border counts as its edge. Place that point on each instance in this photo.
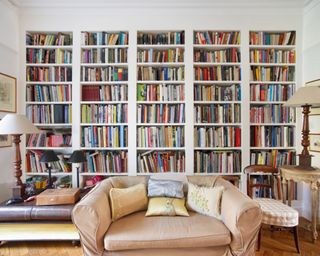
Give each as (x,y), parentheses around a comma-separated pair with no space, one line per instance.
(212,137)
(160,55)
(106,162)
(106,74)
(271,92)
(217,55)
(104,38)
(272,113)
(49,114)
(48,74)
(216,37)
(104,136)
(281,74)
(161,161)
(160,38)
(215,92)
(48,93)
(49,138)
(160,92)
(46,56)
(217,113)
(101,113)
(217,73)
(217,161)
(160,113)
(273,157)
(272,56)
(272,38)
(106,92)
(160,73)
(42,39)
(101,55)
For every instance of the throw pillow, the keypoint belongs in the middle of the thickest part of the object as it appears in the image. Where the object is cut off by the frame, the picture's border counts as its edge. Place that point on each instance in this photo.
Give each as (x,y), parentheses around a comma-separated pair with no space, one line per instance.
(166,206)
(204,200)
(165,188)
(127,200)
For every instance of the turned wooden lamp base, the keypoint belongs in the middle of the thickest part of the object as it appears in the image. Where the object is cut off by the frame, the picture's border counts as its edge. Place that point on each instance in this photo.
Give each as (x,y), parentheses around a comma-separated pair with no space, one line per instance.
(305,162)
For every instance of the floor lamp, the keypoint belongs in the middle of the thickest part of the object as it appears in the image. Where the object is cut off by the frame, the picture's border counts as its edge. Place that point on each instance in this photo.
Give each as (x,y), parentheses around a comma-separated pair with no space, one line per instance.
(17,125)
(305,97)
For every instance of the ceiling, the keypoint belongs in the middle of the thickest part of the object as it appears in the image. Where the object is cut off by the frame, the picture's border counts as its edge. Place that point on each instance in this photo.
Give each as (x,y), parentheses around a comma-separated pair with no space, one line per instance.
(159,3)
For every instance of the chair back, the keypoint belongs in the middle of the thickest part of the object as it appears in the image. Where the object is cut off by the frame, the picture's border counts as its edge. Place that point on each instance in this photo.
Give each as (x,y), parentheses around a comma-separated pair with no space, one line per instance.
(260,180)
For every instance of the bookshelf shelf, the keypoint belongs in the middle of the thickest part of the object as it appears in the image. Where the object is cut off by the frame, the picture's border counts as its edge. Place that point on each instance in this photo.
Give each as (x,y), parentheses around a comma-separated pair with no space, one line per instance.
(206,102)
(104,65)
(160,124)
(102,82)
(102,174)
(217,124)
(47,83)
(206,64)
(89,47)
(48,65)
(160,102)
(161,148)
(216,46)
(159,82)
(49,148)
(48,103)
(160,46)
(277,53)
(160,64)
(217,82)
(46,174)
(62,47)
(106,149)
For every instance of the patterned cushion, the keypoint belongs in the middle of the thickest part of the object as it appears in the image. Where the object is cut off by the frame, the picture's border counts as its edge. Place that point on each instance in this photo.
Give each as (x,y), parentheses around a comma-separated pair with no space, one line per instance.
(276,213)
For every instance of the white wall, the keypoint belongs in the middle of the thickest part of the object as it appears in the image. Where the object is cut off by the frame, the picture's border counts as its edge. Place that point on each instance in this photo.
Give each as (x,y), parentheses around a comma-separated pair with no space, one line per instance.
(9,64)
(311,71)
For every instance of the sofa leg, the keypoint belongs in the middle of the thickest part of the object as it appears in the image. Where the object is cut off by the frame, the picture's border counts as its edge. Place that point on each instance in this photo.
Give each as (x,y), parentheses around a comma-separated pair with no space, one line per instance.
(259,238)
(296,238)
(75,243)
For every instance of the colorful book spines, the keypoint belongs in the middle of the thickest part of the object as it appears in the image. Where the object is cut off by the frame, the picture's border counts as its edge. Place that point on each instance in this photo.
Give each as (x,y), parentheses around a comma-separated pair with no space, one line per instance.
(217,56)
(104,74)
(104,38)
(217,37)
(217,92)
(163,38)
(272,38)
(96,113)
(217,73)
(48,93)
(48,74)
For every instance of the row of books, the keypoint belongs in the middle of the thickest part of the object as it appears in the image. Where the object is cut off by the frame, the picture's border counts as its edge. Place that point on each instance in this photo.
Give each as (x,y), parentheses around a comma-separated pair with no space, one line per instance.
(94,113)
(161,113)
(213,137)
(49,114)
(217,73)
(49,139)
(217,162)
(158,55)
(284,73)
(272,38)
(48,93)
(272,114)
(273,157)
(217,56)
(48,74)
(45,56)
(104,38)
(161,38)
(168,136)
(161,161)
(48,39)
(216,37)
(104,136)
(161,73)
(271,92)
(214,92)
(33,163)
(106,92)
(106,162)
(217,113)
(160,92)
(101,55)
(104,74)
(272,56)
(272,136)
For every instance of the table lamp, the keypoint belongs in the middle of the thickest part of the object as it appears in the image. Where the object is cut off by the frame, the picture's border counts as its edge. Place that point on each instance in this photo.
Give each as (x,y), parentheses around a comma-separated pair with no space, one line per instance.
(77,157)
(305,97)
(48,157)
(16,125)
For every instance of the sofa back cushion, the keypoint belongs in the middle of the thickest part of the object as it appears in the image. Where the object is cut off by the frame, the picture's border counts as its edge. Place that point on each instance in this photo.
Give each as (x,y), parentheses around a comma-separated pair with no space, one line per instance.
(165,188)
(166,206)
(128,181)
(128,200)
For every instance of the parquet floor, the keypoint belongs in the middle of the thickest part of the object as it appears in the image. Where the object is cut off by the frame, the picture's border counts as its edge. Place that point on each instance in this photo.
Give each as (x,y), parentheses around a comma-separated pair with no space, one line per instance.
(272,244)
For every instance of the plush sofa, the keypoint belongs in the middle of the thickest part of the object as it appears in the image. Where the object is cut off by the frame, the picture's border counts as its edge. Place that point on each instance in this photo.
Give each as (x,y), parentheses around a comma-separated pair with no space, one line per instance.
(197,235)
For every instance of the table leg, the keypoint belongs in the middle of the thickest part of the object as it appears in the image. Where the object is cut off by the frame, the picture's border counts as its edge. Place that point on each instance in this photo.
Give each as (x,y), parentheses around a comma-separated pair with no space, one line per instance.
(289,192)
(284,191)
(315,205)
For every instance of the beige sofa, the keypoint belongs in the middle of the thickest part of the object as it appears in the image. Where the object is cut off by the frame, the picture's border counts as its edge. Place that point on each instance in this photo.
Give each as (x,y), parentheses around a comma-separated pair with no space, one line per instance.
(197,235)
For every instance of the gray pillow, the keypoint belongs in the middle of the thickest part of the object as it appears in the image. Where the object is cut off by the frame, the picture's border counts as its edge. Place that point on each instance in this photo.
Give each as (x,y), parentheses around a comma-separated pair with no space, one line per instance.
(168,188)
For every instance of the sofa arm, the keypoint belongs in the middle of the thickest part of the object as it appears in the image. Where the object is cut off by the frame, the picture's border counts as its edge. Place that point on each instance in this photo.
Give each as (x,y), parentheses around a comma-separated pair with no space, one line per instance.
(92,218)
(242,216)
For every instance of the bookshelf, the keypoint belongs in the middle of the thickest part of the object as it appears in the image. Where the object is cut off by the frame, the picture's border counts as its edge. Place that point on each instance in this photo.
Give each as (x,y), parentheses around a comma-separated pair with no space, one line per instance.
(104,102)
(160,102)
(272,57)
(217,102)
(49,103)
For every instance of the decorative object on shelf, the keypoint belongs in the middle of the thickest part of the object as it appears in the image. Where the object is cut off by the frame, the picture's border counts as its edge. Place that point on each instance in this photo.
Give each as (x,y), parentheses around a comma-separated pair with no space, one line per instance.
(77,157)
(16,125)
(8,88)
(48,157)
(305,97)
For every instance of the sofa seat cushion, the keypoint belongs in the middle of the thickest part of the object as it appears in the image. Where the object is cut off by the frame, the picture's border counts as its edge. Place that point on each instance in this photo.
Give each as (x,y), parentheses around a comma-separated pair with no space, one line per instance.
(136,231)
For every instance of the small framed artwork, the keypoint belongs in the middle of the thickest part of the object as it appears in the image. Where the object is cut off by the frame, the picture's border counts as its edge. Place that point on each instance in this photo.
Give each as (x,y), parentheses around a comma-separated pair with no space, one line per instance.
(314,142)
(314,124)
(314,110)
(8,93)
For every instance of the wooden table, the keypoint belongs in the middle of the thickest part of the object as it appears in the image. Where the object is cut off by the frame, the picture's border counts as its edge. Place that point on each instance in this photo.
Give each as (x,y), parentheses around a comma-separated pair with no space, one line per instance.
(311,177)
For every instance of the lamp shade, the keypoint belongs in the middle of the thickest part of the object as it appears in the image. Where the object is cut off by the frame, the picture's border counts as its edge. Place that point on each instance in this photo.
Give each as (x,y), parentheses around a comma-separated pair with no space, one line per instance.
(48,157)
(17,124)
(77,157)
(309,95)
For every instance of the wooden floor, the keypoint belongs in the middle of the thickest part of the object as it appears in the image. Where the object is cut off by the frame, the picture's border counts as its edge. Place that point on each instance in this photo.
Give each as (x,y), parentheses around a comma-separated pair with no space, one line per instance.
(273,243)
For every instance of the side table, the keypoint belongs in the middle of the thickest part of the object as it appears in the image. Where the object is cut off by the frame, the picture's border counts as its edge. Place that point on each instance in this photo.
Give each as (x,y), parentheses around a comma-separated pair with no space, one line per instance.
(311,177)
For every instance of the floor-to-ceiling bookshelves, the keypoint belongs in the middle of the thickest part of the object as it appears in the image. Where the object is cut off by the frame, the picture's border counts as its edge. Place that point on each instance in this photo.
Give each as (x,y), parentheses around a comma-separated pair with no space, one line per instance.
(217,102)
(49,102)
(160,101)
(104,102)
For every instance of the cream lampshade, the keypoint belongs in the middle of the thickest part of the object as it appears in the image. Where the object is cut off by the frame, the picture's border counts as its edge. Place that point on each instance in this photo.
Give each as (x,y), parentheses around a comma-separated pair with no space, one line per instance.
(16,125)
(305,97)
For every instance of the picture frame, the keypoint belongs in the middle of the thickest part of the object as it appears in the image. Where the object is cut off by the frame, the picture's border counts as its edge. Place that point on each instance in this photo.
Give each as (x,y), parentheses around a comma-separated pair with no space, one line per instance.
(314,142)
(314,110)
(8,93)
(5,141)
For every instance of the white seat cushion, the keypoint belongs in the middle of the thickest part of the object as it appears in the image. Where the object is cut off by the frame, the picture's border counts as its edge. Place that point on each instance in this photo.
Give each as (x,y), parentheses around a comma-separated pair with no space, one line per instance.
(276,213)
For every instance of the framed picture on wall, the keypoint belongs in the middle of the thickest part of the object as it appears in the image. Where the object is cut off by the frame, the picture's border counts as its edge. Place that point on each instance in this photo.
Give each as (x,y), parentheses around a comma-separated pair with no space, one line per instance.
(8,93)
(314,143)
(5,141)
(314,110)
